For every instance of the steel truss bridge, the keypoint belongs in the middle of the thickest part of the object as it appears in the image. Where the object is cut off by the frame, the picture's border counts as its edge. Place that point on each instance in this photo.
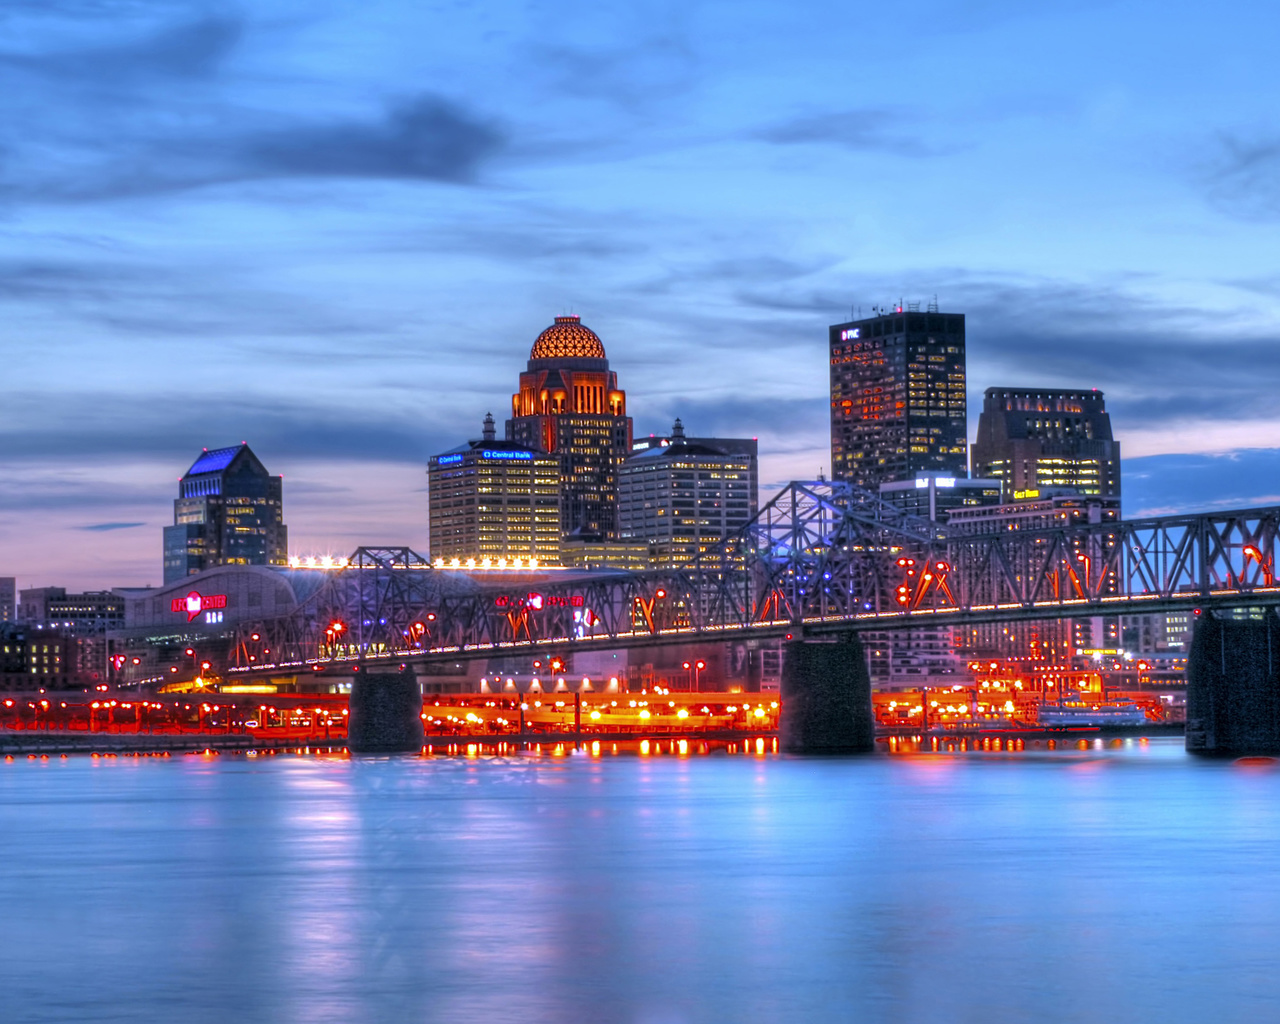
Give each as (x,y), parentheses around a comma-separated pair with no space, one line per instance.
(819,558)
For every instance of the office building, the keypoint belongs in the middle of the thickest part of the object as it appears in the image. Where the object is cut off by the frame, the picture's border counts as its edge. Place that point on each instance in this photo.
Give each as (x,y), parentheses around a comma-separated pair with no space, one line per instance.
(898,397)
(684,495)
(570,406)
(229,511)
(494,501)
(34,659)
(1040,441)
(934,497)
(82,614)
(8,598)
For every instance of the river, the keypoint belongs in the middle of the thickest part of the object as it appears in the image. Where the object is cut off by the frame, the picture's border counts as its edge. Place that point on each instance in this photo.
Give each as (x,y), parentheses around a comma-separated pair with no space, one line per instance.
(1119,882)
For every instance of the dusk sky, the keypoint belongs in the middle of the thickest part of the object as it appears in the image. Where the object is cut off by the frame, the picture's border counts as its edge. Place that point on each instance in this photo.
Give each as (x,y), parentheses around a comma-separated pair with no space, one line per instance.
(334,229)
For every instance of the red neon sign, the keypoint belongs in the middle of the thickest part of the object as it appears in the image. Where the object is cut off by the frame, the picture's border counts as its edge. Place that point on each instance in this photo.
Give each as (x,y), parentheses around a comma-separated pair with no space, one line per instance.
(195,603)
(537,602)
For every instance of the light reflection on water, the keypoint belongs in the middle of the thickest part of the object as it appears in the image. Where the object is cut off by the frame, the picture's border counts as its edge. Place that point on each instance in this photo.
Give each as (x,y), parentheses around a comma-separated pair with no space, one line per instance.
(1078,884)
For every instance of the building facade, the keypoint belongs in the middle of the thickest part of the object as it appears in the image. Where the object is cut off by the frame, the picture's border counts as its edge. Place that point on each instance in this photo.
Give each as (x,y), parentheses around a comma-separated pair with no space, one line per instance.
(683,495)
(229,511)
(1038,441)
(569,405)
(33,659)
(935,497)
(8,598)
(494,501)
(1054,641)
(92,612)
(898,397)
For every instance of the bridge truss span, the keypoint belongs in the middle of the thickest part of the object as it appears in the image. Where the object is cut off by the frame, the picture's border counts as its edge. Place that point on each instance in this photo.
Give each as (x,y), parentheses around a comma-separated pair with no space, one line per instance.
(819,557)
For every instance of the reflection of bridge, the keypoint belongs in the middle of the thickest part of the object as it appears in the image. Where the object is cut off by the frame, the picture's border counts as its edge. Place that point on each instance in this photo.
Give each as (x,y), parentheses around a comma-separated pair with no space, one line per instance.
(819,558)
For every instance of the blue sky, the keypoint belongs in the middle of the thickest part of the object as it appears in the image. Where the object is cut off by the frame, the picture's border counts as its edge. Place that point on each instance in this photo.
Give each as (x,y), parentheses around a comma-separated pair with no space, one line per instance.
(333,229)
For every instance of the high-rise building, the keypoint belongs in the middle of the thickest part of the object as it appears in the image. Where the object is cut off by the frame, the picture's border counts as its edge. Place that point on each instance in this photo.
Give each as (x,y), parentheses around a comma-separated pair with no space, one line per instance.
(494,501)
(569,405)
(685,494)
(8,598)
(1041,441)
(898,397)
(229,511)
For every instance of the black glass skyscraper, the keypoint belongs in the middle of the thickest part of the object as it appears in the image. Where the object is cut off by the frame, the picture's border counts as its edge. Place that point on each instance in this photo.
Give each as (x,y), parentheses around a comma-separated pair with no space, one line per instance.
(898,397)
(229,511)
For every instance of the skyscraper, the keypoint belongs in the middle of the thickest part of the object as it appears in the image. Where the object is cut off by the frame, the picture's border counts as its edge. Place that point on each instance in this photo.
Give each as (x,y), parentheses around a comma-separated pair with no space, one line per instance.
(229,511)
(569,405)
(1037,441)
(494,501)
(8,598)
(685,494)
(898,397)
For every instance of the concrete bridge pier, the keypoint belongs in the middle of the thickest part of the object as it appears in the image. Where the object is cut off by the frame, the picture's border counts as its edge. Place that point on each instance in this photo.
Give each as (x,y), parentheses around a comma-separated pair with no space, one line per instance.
(385,713)
(1233,684)
(826,698)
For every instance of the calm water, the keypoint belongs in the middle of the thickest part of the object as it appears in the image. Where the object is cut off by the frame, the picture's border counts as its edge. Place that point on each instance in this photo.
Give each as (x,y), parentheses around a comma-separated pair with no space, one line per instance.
(1117,884)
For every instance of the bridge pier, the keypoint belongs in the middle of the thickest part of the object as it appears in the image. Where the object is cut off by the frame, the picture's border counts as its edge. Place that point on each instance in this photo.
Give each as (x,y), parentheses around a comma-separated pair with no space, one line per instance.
(826,698)
(385,713)
(1233,684)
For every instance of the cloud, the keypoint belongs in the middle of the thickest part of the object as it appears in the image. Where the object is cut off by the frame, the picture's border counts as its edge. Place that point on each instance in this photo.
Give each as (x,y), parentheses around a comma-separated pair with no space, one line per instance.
(427,138)
(863,130)
(161,112)
(1170,484)
(192,49)
(1243,177)
(92,427)
(108,527)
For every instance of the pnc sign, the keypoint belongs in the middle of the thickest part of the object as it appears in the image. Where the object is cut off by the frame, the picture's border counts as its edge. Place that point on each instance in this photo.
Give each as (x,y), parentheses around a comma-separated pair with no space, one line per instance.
(195,603)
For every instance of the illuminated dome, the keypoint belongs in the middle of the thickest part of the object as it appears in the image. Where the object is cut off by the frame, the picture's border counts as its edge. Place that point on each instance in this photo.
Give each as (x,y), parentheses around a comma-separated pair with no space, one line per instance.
(568,339)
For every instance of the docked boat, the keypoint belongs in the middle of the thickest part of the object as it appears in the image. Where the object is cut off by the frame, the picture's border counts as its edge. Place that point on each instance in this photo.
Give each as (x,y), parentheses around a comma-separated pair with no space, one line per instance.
(1082,714)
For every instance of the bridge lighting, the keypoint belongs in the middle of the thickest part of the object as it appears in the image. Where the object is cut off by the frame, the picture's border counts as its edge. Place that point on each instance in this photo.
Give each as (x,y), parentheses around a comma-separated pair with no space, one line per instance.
(660,593)
(336,627)
(255,636)
(191,652)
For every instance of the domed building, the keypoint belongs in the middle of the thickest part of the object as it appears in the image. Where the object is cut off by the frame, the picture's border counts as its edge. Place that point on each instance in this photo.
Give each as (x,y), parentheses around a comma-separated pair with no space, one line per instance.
(569,404)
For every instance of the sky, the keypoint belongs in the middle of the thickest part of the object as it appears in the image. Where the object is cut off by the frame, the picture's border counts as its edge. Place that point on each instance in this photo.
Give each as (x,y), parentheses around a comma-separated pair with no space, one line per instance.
(334,229)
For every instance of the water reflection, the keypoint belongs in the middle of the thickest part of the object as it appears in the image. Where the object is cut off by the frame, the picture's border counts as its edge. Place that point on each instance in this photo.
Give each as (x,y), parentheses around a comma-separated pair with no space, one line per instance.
(1009,879)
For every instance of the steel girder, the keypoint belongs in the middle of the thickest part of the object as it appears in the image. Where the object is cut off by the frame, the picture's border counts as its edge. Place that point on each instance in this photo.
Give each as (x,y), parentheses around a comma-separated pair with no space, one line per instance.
(817,553)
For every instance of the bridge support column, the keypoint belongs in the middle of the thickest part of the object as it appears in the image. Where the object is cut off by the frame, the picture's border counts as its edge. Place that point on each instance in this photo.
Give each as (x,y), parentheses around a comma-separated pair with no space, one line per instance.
(826,698)
(1233,685)
(385,713)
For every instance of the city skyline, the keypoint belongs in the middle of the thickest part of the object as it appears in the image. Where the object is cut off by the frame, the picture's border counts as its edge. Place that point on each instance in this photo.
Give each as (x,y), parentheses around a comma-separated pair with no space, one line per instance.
(216,232)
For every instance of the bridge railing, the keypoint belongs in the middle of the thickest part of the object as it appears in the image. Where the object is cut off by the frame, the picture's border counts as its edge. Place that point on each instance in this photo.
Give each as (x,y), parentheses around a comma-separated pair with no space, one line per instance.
(818,552)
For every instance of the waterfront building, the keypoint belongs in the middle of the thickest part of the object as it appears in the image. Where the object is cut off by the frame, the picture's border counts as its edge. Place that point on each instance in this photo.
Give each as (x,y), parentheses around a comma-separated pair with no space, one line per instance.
(898,397)
(569,405)
(683,495)
(925,656)
(492,501)
(1039,441)
(52,607)
(8,598)
(33,659)
(1049,640)
(229,511)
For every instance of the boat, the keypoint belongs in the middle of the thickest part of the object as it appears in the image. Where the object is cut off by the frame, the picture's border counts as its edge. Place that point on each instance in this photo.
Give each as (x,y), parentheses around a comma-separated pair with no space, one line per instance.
(1081,714)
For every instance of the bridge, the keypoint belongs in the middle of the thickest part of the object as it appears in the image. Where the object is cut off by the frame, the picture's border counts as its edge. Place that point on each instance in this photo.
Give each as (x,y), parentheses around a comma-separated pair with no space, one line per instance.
(820,558)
